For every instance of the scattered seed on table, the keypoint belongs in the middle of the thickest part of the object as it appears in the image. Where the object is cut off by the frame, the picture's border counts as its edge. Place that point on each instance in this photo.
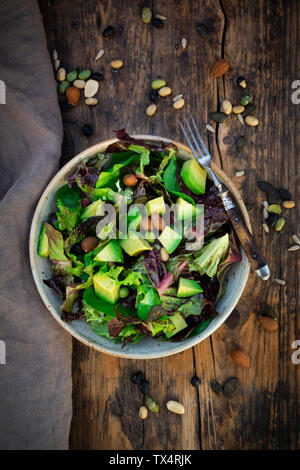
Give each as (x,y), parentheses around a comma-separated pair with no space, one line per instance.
(195,381)
(210,128)
(250,110)
(272,219)
(85,74)
(73,95)
(216,387)
(146,15)
(265,204)
(151,110)
(157,22)
(91,88)
(175,407)
(279,224)
(231,387)
(79,83)
(54,54)
(275,208)
(266,228)
(294,248)
(226,107)
(288,204)
(268,323)
(87,130)
(252,121)
(246,99)
(280,281)
(240,173)
(71,76)
(152,405)
(296,239)
(162,17)
(240,118)
(176,98)
(284,194)
(143,412)
(238,109)
(154,96)
(183,43)
(241,81)
(265,213)
(91,101)
(218,117)
(108,32)
(158,83)
(144,387)
(266,187)
(61,74)
(116,64)
(165,91)
(99,54)
(274,198)
(97,76)
(56,64)
(179,103)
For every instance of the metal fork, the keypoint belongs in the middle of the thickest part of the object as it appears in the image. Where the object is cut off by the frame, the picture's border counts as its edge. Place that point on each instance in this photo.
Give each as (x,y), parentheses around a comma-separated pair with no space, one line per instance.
(203,157)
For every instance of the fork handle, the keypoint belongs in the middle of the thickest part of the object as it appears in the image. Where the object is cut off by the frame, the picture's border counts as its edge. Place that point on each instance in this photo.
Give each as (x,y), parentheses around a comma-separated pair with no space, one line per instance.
(256,259)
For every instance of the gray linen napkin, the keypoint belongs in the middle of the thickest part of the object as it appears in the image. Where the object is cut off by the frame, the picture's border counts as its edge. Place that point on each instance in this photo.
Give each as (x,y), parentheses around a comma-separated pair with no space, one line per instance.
(35,382)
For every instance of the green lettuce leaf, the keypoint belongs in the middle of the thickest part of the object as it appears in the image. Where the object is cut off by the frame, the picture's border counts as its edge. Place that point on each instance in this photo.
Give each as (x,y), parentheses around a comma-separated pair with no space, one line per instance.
(60,263)
(144,157)
(170,179)
(69,208)
(113,173)
(210,256)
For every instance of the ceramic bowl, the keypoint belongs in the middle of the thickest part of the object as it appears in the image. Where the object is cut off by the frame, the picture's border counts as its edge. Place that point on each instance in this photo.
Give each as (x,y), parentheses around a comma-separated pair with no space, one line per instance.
(147,348)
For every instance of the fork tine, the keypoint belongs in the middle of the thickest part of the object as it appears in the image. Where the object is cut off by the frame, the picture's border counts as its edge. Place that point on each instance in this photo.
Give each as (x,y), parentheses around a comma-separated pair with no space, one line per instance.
(194,139)
(188,140)
(199,136)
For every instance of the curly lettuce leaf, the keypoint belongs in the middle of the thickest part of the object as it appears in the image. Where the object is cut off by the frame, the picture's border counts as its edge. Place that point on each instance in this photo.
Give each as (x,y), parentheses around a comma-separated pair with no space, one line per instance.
(69,207)
(207,259)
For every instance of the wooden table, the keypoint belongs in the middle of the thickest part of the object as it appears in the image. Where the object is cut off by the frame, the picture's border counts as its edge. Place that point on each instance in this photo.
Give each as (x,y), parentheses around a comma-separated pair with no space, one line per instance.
(260,40)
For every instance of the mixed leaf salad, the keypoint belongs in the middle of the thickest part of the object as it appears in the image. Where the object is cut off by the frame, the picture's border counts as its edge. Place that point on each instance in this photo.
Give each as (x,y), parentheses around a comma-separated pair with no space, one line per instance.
(141,281)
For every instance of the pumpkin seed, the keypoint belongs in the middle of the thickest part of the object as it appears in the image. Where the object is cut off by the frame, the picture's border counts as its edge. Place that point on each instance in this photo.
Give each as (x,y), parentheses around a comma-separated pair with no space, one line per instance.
(288,204)
(272,219)
(240,143)
(79,83)
(275,209)
(202,30)
(143,412)
(266,228)
(231,387)
(226,107)
(266,187)
(116,64)
(240,173)
(179,104)
(284,194)
(99,54)
(71,76)
(157,22)
(252,121)
(216,387)
(218,117)
(61,74)
(84,74)
(158,83)
(108,32)
(279,224)
(183,43)
(210,128)
(63,86)
(280,281)
(152,405)
(294,248)
(175,407)
(91,101)
(296,239)
(241,82)
(91,88)
(146,15)
(238,109)
(165,91)
(240,118)
(246,99)
(151,110)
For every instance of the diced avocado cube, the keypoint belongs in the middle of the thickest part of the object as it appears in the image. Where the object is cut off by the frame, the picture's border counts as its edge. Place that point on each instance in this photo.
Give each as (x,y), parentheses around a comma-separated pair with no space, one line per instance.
(185,210)
(179,323)
(156,205)
(170,239)
(96,208)
(150,300)
(134,246)
(194,176)
(43,247)
(106,288)
(188,287)
(111,252)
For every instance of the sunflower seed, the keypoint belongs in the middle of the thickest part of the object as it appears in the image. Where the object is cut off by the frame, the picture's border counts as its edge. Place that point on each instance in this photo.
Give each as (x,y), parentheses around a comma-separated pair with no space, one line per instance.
(54,54)
(240,173)
(184,43)
(176,98)
(56,64)
(280,281)
(265,213)
(265,204)
(294,248)
(161,17)
(296,239)
(231,387)
(210,128)
(99,54)
(240,118)
(266,228)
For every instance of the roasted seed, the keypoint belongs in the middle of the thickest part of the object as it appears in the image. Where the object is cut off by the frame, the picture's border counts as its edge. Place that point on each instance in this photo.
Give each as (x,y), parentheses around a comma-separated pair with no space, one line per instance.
(146,15)
(240,143)
(176,98)
(240,173)
(99,54)
(288,204)
(284,194)
(241,358)
(220,68)
(108,32)
(218,117)
(164,254)
(71,76)
(280,281)
(143,412)
(151,110)
(216,387)
(61,74)
(240,118)
(275,209)
(154,96)
(268,323)
(241,82)
(294,248)
(226,107)
(137,378)
(252,121)
(246,99)
(195,381)
(97,76)
(56,64)
(296,239)
(79,84)
(266,228)
(210,128)
(183,43)
(54,54)
(116,64)
(202,30)
(279,224)
(165,91)
(144,387)
(73,95)
(130,180)
(178,104)
(250,110)
(268,311)
(274,198)
(63,86)
(265,213)
(87,130)
(162,17)
(175,407)
(152,405)
(91,88)
(272,219)
(265,204)
(238,109)
(158,83)
(89,244)
(157,22)
(231,387)
(266,187)
(91,101)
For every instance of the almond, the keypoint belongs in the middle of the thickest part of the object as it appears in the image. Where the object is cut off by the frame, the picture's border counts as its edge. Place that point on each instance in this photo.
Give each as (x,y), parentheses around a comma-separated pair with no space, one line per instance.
(268,323)
(241,358)
(220,67)
(73,95)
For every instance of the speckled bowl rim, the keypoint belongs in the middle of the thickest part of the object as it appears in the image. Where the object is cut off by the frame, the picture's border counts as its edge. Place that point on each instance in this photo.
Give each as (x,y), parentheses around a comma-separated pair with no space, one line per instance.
(66,169)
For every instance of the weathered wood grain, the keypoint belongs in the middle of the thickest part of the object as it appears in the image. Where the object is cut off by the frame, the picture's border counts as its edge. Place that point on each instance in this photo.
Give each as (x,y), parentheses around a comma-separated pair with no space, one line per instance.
(259,39)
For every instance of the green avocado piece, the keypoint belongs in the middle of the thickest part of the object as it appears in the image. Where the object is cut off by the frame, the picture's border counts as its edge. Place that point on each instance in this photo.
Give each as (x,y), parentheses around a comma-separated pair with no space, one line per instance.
(106,288)
(156,205)
(185,210)
(92,210)
(134,246)
(194,176)
(170,239)
(188,287)
(150,300)
(111,252)
(43,246)
(179,323)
